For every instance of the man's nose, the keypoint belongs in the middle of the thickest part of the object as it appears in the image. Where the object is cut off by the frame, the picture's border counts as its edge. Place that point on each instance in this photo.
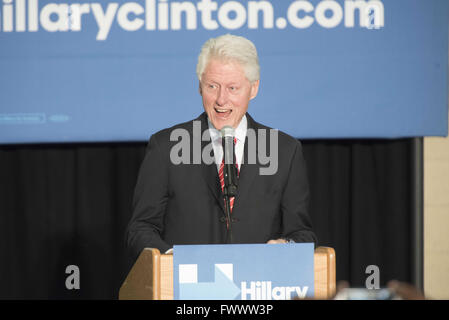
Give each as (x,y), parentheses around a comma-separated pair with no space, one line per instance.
(222,97)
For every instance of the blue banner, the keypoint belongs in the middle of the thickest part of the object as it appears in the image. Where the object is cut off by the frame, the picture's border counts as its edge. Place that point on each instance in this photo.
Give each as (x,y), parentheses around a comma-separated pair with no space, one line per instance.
(243,272)
(96,70)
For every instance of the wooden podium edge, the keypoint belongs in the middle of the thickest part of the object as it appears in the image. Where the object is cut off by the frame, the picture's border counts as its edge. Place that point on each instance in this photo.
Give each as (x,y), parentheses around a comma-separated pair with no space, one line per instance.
(325,275)
(143,281)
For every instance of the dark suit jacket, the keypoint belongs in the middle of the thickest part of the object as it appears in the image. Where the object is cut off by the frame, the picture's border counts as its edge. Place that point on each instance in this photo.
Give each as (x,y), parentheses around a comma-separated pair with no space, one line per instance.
(183,204)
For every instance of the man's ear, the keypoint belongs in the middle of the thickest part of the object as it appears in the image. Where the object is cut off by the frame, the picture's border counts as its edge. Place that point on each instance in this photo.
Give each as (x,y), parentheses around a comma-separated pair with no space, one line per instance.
(199,88)
(254,89)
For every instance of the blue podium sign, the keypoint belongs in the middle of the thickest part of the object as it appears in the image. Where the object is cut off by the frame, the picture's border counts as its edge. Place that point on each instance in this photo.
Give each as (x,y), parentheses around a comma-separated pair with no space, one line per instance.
(243,271)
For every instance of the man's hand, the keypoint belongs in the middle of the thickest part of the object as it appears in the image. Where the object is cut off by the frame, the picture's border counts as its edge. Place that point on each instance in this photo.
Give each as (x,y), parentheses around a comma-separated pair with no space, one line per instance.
(277,241)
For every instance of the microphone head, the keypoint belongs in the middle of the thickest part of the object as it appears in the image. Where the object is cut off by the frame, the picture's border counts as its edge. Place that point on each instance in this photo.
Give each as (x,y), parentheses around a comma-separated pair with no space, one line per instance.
(227,131)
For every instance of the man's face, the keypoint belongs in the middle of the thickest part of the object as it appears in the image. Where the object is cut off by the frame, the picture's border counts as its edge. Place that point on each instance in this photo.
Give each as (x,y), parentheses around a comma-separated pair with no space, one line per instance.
(226,92)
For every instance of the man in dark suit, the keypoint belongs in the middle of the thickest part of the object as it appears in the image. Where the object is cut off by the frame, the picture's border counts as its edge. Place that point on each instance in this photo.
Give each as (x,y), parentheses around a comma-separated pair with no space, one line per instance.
(179,197)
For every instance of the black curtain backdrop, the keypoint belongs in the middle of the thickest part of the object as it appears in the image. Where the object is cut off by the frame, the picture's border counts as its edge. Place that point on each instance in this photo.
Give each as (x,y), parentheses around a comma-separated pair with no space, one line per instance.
(69,204)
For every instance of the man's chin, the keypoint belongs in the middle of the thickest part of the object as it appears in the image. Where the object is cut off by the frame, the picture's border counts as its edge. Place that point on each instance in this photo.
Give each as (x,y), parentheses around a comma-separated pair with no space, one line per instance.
(219,124)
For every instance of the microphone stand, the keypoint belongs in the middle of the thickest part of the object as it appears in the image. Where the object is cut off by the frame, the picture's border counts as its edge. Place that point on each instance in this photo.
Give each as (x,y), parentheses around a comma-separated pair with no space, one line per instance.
(229,175)
(229,190)
(229,238)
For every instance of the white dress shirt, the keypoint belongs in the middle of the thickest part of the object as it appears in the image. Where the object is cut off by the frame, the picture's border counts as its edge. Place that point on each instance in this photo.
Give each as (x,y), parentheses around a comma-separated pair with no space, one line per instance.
(240,135)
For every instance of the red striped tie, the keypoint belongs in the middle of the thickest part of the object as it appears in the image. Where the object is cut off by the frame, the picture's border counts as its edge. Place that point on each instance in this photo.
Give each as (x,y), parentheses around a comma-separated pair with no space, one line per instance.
(221,176)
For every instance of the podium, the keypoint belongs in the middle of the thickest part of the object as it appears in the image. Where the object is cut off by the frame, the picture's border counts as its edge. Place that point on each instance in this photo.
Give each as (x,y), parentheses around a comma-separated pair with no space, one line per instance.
(151,277)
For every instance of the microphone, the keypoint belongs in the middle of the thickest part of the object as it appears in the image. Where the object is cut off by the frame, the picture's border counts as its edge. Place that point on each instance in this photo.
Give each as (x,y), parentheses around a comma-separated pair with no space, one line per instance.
(230,170)
(229,175)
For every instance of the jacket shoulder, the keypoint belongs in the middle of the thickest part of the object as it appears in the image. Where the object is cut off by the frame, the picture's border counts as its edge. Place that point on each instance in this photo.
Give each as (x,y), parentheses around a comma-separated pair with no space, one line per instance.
(284,140)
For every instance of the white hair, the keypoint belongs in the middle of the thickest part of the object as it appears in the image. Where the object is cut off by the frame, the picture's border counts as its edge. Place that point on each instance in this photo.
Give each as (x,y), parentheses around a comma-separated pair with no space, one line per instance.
(230,48)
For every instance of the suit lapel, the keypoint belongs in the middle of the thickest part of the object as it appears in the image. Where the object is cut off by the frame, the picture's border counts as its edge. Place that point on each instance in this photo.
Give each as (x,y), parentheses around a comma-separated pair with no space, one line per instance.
(209,171)
(248,171)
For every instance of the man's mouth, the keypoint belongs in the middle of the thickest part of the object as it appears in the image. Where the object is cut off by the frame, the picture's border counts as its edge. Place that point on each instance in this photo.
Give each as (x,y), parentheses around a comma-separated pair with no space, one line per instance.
(223,112)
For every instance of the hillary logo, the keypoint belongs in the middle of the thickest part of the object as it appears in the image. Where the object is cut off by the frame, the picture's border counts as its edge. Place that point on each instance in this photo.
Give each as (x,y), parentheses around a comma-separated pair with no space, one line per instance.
(224,288)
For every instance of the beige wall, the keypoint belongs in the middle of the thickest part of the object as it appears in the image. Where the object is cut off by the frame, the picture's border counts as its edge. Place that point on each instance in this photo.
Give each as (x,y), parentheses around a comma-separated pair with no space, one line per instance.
(436,217)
